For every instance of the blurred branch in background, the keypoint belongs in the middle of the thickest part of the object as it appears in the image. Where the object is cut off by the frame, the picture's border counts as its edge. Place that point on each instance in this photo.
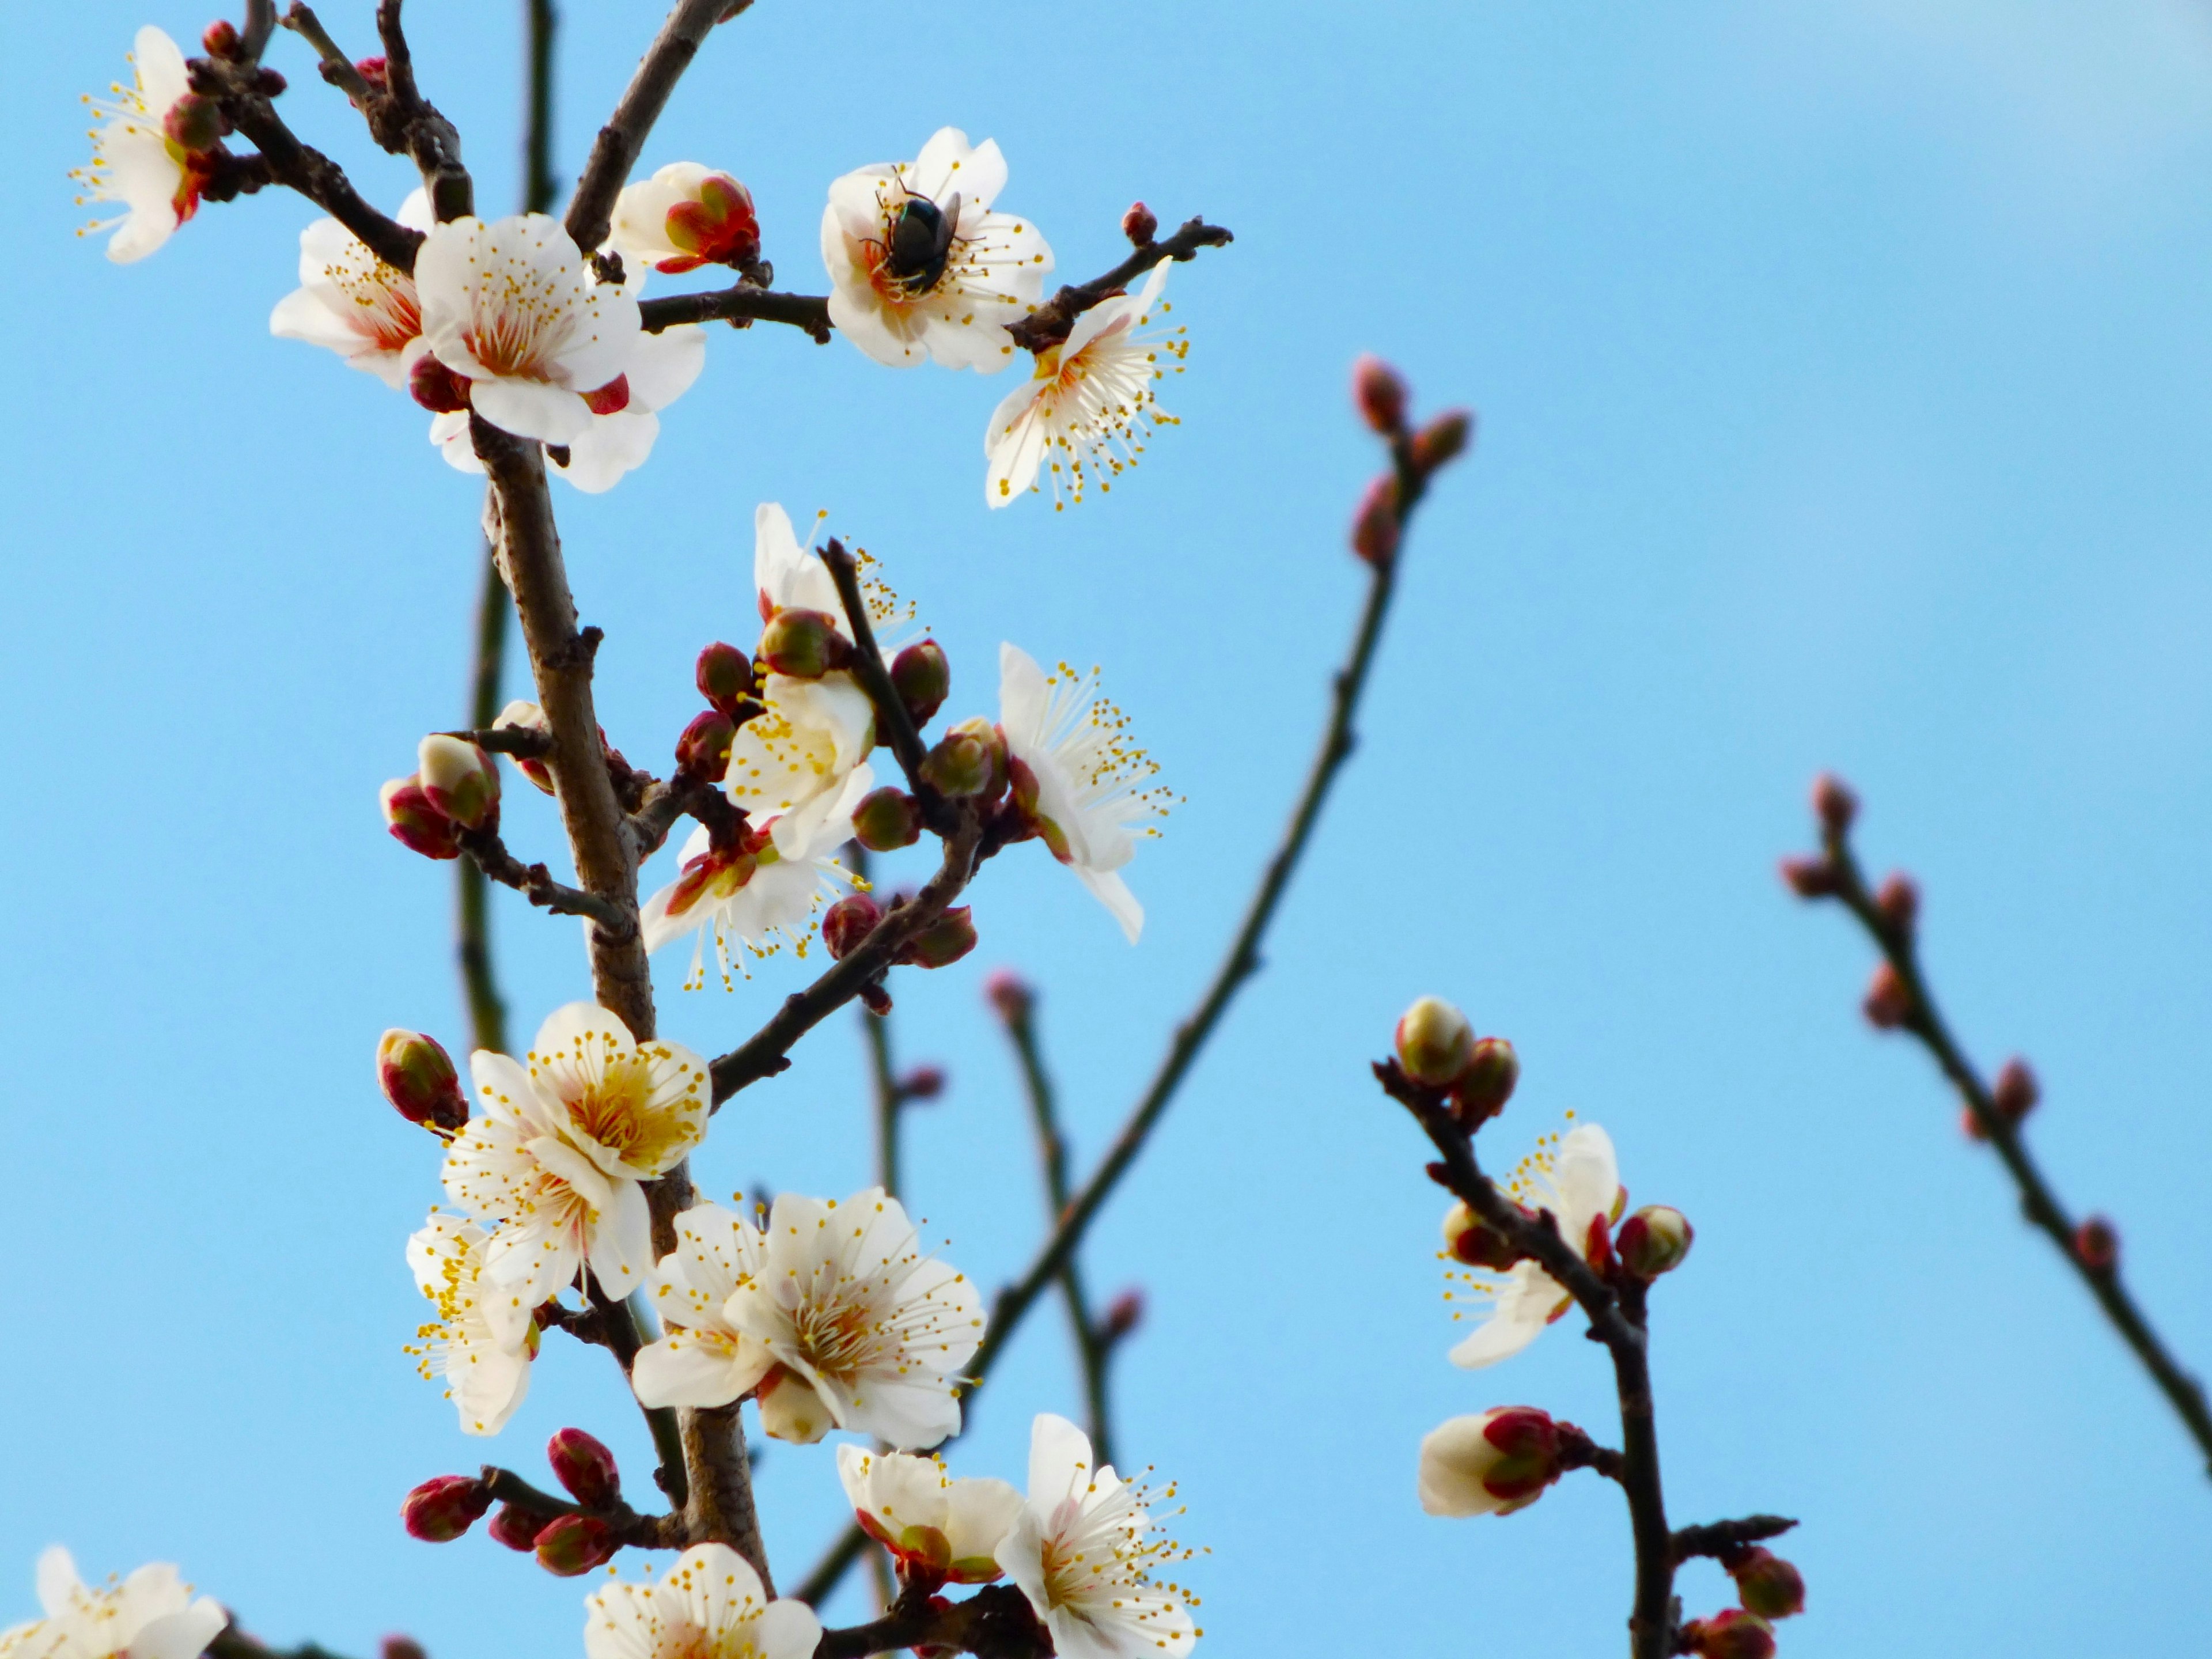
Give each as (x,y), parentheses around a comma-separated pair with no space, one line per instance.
(1898,998)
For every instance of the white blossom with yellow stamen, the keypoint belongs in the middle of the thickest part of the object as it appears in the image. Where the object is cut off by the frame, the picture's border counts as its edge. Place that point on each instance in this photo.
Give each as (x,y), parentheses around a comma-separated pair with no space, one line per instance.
(702,1359)
(710,1605)
(134,159)
(1577,1179)
(1085,411)
(555,1160)
(750,898)
(484,1339)
(933,1523)
(151,1614)
(1079,1550)
(351,302)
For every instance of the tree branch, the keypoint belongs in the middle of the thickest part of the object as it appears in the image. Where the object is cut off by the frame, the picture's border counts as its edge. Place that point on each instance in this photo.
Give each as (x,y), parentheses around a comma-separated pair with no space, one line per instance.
(405,122)
(1720,1539)
(1048,325)
(301,166)
(741,307)
(489,853)
(539,187)
(892,721)
(614,151)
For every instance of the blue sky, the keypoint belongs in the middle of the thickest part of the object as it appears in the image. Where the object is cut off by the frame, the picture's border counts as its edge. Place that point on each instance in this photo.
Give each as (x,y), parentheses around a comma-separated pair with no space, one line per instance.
(1842,370)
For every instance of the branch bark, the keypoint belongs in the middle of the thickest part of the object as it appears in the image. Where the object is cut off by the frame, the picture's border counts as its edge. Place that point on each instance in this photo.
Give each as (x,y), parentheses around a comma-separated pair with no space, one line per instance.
(614,151)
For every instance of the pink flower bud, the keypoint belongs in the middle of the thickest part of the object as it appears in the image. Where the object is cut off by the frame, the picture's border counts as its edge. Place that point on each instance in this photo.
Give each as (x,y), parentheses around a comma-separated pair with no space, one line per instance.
(886,819)
(417,1077)
(2097,1244)
(1435,1042)
(1010,994)
(1767,1585)
(585,1468)
(1888,1003)
(1834,804)
(803,644)
(400,1647)
(1654,1241)
(944,942)
(1898,900)
(521,716)
(1123,1314)
(703,751)
(1374,525)
(572,1545)
(1492,1463)
(725,678)
(518,1527)
(2016,1091)
(377,71)
(414,823)
(847,922)
(923,678)
(1140,224)
(443,1508)
(193,123)
(1731,1633)
(1492,1072)
(1441,440)
(923,1083)
(1809,878)
(459,779)
(1379,394)
(220,39)
(436,387)
(1471,1239)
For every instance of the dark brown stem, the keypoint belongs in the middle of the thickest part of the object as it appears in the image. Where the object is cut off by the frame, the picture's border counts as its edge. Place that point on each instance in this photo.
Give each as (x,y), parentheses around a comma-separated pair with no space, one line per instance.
(2037,1202)
(1719,1539)
(1049,324)
(407,123)
(337,67)
(994,1623)
(741,305)
(836,1561)
(885,1097)
(893,723)
(614,151)
(489,853)
(651,1532)
(321,180)
(233,1642)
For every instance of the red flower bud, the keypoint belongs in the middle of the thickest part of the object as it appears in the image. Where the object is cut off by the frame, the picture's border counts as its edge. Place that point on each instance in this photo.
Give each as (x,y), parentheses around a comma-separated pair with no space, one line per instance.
(923,678)
(220,39)
(1123,1314)
(416,824)
(459,779)
(2097,1244)
(1378,392)
(1888,1004)
(1441,440)
(959,765)
(725,677)
(574,1544)
(1493,1071)
(1809,878)
(1654,1241)
(2016,1091)
(1768,1585)
(719,226)
(1140,224)
(522,716)
(417,1077)
(1833,803)
(436,387)
(1374,525)
(269,82)
(443,1508)
(803,644)
(1731,1633)
(703,751)
(886,819)
(375,70)
(193,123)
(923,1083)
(848,921)
(400,1647)
(1898,900)
(944,942)
(1010,994)
(585,1468)
(518,1527)
(1469,1238)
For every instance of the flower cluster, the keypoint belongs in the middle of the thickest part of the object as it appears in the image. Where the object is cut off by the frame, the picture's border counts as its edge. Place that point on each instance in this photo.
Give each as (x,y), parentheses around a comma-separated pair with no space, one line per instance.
(151,1614)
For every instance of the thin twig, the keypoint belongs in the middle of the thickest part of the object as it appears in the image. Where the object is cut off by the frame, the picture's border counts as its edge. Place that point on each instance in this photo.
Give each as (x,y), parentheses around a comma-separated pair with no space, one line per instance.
(1050,324)
(614,151)
(886,1095)
(540,187)
(405,122)
(1718,1539)
(489,853)
(2037,1202)
(740,306)
(892,719)
(337,67)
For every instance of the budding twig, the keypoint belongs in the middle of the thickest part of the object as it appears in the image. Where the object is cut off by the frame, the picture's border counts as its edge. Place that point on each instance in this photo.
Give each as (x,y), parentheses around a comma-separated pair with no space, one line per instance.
(1718,1539)
(534,882)
(742,304)
(892,717)
(1050,324)
(614,151)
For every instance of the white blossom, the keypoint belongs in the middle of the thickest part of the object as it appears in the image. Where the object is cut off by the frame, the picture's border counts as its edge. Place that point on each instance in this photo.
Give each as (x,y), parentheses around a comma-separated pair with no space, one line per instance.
(704,1359)
(1076,776)
(948,1528)
(1078,1550)
(134,159)
(1578,1181)
(512,308)
(954,306)
(1086,410)
(804,757)
(710,1605)
(351,302)
(483,1338)
(750,897)
(151,1614)
(555,1157)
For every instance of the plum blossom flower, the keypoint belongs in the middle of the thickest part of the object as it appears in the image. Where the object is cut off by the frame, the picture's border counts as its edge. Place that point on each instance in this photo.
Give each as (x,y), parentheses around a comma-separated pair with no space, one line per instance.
(920,265)
(749,896)
(709,1606)
(936,1526)
(513,308)
(1089,403)
(704,1359)
(483,1338)
(1078,1550)
(684,217)
(134,160)
(351,302)
(555,1158)
(1076,775)
(1577,1179)
(151,1614)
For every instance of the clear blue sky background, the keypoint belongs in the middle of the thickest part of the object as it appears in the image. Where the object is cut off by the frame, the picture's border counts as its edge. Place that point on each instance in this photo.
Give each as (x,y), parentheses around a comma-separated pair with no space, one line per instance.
(1843,371)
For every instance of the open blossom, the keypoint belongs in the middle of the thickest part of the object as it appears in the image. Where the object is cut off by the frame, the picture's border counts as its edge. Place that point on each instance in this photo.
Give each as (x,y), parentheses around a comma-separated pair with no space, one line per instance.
(555,1159)
(351,301)
(1086,410)
(1079,1551)
(919,264)
(1076,776)
(134,160)
(746,897)
(684,217)
(151,1614)
(483,1338)
(710,1605)
(513,308)
(935,1525)
(1578,1181)
(704,1359)
(804,757)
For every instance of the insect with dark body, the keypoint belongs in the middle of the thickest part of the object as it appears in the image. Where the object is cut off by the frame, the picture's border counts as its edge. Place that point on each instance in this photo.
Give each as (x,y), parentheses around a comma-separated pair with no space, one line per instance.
(920,244)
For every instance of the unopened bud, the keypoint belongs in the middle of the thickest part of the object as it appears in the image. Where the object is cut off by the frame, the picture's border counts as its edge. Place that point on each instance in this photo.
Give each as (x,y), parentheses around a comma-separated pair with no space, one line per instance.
(377,71)
(1833,803)
(1731,1633)
(220,39)
(1374,525)
(414,823)
(1123,1314)
(703,751)
(2097,1244)
(1441,440)
(417,1077)
(886,819)
(518,1527)
(437,388)
(1654,1241)
(459,779)
(1140,224)
(790,1409)
(1898,900)
(848,921)
(1809,878)
(803,644)
(1379,394)
(944,941)
(193,123)
(1471,1239)
(922,677)
(269,82)
(2016,1091)
(521,716)
(1768,1585)
(717,224)
(724,676)
(440,1510)
(1008,992)
(1888,1004)
(1435,1042)
(957,766)
(1492,1072)
(1492,1463)
(400,1647)
(574,1544)
(585,1468)
(923,1083)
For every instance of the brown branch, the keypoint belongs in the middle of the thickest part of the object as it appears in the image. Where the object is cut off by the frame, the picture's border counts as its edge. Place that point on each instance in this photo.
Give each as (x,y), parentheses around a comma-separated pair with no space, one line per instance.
(836,1561)
(260,24)
(1839,875)
(489,853)
(301,166)
(523,741)
(232,1641)
(741,307)
(1721,1539)
(649,1532)
(614,151)
(994,1623)
(1049,324)
(337,67)
(407,123)
(894,724)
